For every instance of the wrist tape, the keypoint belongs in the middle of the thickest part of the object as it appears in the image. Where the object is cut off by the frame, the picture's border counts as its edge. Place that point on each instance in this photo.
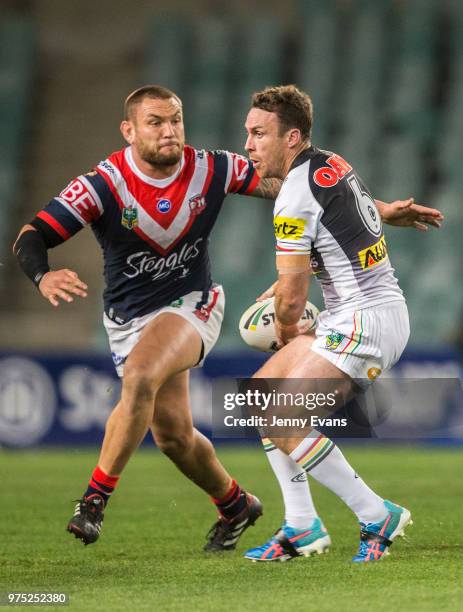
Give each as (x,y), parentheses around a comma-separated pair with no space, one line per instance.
(31,252)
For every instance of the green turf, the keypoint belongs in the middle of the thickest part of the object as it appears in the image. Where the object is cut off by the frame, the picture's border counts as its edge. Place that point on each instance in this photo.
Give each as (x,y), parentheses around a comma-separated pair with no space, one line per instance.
(150,554)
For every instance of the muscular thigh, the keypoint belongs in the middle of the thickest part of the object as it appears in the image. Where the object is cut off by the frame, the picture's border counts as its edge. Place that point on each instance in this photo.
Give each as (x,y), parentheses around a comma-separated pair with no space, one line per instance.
(168,345)
(296,360)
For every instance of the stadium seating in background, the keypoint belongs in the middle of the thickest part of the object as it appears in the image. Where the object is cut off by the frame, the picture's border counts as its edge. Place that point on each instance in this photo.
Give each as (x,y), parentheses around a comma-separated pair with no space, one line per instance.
(386,79)
(435,291)
(402,169)
(166,49)
(317,61)
(415,35)
(450,128)
(242,243)
(17,56)
(361,108)
(209,82)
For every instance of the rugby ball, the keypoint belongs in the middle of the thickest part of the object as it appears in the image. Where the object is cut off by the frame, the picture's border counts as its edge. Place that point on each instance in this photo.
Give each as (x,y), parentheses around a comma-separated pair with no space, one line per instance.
(257,324)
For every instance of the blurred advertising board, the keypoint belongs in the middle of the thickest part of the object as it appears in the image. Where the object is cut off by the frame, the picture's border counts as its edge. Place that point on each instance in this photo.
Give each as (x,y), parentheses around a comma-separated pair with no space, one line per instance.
(65,399)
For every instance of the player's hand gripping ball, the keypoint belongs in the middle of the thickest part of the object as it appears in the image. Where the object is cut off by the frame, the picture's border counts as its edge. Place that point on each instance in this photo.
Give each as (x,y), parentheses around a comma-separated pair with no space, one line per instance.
(257,324)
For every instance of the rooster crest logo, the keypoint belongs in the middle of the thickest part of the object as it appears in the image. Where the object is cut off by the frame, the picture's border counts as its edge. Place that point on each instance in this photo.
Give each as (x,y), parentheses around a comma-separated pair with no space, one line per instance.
(197,205)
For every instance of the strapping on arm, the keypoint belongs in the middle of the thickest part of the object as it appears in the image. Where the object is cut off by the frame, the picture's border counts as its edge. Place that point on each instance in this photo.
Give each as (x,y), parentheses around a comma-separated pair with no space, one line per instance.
(31,252)
(31,249)
(292,263)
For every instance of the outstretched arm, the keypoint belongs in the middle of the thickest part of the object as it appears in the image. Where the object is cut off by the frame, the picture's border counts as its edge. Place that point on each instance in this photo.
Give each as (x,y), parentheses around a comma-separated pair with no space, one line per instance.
(31,250)
(405,213)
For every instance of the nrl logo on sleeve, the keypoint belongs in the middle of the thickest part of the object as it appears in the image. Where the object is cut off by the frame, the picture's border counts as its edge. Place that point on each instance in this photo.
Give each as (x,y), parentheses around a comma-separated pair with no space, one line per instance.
(374,254)
(288,228)
(333,340)
(129,217)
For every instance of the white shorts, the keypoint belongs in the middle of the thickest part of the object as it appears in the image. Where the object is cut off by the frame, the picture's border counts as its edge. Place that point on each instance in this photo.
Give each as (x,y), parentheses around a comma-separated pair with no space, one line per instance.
(363,343)
(207,320)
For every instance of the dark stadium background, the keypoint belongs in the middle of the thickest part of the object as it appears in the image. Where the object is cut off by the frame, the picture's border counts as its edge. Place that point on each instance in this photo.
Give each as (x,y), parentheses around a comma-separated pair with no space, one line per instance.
(386,78)
(387,83)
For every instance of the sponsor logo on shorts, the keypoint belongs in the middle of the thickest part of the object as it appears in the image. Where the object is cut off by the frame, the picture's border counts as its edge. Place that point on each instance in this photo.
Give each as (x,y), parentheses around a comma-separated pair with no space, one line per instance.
(373,373)
(164,205)
(202,313)
(374,254)
(115,317)
(129,217)
(333,340)
(203,310)
(118,359)
(289,228)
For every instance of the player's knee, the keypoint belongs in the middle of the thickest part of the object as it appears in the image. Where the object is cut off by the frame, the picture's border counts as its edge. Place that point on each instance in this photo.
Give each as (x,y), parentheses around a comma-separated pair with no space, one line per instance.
(139,385)
(174,445)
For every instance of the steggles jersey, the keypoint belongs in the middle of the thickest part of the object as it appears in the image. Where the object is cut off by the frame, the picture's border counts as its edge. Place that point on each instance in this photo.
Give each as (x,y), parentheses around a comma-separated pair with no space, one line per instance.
(153,233)
(324,209)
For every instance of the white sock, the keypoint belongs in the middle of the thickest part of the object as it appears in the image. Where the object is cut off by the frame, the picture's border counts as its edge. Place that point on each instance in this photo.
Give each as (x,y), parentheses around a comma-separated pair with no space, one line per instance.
(299,507)
(320,457)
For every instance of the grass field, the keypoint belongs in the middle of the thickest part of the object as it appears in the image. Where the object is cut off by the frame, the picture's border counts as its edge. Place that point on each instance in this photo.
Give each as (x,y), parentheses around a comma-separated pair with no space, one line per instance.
(150,554)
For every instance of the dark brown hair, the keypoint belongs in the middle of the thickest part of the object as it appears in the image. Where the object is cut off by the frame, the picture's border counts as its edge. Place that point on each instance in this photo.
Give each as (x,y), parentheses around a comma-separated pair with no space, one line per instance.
(292,106)
(155,92)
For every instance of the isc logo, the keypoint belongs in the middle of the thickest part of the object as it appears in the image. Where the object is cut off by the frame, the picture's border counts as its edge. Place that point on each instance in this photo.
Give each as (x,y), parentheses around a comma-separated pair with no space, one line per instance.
(328,176)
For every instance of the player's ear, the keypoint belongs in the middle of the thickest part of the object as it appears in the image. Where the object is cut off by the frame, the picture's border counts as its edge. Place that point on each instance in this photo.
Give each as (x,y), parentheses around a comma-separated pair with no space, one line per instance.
(127,131)
(293,137)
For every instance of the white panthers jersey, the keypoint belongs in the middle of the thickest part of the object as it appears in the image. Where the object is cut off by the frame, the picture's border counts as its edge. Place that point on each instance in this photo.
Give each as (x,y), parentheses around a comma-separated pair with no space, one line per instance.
(324,209)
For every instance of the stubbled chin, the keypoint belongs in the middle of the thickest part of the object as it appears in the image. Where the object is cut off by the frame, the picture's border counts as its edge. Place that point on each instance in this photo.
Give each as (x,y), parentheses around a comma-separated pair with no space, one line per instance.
(158,159)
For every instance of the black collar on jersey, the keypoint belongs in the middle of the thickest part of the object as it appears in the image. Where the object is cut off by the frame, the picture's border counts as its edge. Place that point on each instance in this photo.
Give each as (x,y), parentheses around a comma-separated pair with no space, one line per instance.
(302,157)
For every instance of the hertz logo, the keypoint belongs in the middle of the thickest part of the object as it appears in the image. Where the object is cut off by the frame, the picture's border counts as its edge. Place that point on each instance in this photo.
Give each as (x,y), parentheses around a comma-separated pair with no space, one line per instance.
(374,254)
(287,228)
